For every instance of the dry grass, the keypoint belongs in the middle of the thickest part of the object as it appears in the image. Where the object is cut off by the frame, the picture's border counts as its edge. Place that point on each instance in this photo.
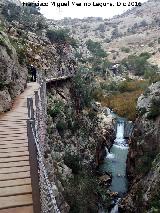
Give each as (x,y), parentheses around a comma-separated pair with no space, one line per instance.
(124,102)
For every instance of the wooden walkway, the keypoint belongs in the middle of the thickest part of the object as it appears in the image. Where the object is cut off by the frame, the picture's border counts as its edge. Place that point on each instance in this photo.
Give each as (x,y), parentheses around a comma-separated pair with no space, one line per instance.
(60,78)
(15,181)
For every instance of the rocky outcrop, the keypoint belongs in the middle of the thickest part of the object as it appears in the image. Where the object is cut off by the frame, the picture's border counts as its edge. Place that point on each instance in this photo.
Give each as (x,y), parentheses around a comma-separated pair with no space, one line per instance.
(13,75)
(106,136)
(143,164)
(83,134)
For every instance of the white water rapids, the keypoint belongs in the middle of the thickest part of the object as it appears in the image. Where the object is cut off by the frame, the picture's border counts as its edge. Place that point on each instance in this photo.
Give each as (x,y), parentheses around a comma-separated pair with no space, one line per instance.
(115,163)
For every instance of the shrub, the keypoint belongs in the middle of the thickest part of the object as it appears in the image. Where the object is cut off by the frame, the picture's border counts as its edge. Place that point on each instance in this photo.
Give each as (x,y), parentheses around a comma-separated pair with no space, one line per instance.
(151,44)
(11,11)
(61,126)
(159,40)
(146,55)
(95,48)
(4,44)
(145,163)
(20,49)
(83,193)
(115,33)
(143,24)
(155,109)
(82,91)
(73,162)
(142,111)
(107,40)
(61,36)
(3,84)
(101,28)
(73,125)
(56,109)
(137,64)
(125,49)
(112,86)
(131,85)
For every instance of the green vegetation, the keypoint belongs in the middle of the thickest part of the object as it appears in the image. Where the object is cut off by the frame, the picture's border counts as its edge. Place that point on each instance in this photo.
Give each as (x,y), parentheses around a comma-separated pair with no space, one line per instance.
(145,163)
(30,16)
(56,108)
(96,49)
(82,191)
(151,44)
(2,27)
(20,48)
(154,204)
(122,97)
(142,111)
(101,28)
(61,126)
(154,109)
(11,12)
(115,33)
(3,84)
(139,65)
(125,49)
(61,36)
(82,91)
(73,162)
(4,44)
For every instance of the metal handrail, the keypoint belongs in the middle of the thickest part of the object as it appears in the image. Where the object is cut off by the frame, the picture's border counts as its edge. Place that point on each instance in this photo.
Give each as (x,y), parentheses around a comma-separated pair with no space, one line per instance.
(34,116)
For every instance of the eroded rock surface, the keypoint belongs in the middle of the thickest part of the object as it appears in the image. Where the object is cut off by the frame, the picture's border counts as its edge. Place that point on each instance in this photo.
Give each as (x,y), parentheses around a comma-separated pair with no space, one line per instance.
(13,76)
(143,164)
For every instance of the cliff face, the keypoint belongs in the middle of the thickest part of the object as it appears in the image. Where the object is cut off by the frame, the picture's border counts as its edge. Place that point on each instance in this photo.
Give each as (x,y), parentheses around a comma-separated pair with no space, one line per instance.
(75,138)
(23,41)
(143,164)
(13,75)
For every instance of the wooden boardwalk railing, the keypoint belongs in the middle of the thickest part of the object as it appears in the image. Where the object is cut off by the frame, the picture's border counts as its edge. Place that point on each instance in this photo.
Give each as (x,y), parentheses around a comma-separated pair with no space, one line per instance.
(15,180)
(24,183)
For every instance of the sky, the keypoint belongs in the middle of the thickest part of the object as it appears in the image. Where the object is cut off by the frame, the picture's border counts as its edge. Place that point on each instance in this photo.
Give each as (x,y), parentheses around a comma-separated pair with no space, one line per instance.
(73,11)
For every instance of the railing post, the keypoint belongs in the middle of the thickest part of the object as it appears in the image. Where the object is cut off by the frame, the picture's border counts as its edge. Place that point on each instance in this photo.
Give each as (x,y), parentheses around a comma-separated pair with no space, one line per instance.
(36,99)
(33,166)
(30,108)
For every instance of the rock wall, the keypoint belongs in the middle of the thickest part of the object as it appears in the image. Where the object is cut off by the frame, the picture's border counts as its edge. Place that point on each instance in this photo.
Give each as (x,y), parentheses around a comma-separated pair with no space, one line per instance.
(13,76)
(84,134)
(143,164)
(106,135)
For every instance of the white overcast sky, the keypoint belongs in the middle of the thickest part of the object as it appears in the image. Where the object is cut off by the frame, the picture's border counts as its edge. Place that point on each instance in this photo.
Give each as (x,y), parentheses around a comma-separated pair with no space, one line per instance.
(53,12)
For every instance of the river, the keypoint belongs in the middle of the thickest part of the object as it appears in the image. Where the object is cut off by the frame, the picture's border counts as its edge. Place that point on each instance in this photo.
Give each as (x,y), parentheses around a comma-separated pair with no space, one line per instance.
(115,163)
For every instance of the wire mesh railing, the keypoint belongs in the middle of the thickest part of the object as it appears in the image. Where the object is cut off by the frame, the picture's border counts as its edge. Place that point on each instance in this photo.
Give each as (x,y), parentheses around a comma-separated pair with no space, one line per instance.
(44,200)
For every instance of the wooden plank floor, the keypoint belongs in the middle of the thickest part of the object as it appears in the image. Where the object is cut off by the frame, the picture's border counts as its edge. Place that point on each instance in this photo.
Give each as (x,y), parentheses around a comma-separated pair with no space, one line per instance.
(15,181)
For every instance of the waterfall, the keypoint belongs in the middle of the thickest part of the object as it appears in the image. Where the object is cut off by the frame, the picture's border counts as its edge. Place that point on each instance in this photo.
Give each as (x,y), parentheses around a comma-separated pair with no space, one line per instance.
(115,209)
(120,131)
(115,164)
(109,155)
(120,141)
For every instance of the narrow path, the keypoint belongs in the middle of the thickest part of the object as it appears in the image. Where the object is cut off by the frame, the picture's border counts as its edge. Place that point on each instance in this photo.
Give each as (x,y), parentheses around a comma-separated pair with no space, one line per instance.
(15,181)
